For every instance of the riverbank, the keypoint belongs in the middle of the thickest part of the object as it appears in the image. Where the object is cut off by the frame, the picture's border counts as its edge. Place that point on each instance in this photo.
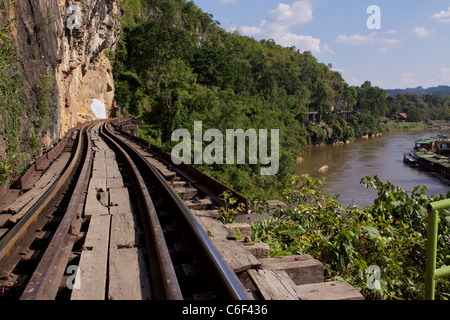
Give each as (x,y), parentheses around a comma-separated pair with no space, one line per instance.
(395,125)
(380,156)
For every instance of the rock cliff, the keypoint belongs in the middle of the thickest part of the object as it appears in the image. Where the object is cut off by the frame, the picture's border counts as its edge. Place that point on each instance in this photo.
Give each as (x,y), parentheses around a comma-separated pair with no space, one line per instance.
(67,40)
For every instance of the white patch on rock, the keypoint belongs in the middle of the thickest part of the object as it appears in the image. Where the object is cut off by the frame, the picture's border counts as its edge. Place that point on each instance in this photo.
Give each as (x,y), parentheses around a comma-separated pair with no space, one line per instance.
(98,108)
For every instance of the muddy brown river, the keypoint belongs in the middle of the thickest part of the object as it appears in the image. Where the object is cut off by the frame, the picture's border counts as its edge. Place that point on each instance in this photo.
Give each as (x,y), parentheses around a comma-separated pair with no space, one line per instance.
(382,156)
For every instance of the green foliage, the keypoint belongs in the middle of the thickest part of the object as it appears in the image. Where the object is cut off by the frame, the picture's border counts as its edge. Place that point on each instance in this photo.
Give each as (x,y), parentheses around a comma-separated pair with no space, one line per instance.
(179,66)
(21,125)
(365,124)
(12,107)
(229,212)
(174,65)
(420,108)
(391,234)
(45,105)
(371,100)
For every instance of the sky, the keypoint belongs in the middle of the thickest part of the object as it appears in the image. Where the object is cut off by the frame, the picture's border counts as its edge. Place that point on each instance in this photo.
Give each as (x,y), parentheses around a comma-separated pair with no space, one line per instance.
(396,44)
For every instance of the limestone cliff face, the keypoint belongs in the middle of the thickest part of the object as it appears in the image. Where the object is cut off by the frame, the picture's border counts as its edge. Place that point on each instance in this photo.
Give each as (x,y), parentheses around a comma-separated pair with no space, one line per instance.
(84,72)
(68,40)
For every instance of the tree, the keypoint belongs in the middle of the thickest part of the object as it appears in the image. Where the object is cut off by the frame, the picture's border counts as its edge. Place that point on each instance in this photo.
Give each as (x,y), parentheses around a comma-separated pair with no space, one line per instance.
(172,90)
(416,114)
(214,66)
(322,96)
(372,100)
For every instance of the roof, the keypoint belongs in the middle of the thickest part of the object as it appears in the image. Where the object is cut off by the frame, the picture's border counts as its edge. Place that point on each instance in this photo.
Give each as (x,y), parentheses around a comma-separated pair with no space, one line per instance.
(404,115)
(425,141)
(433,157)
(439,136)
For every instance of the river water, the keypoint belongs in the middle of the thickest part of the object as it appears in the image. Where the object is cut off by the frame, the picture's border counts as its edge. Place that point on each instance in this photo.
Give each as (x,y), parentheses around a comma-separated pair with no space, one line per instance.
(381,156)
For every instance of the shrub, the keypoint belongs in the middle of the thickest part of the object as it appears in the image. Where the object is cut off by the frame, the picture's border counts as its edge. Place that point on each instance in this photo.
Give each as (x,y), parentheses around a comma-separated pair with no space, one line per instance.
(391,235)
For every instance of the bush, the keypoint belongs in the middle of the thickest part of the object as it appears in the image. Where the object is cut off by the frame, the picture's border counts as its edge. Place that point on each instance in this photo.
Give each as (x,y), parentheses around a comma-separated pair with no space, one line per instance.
(391,235)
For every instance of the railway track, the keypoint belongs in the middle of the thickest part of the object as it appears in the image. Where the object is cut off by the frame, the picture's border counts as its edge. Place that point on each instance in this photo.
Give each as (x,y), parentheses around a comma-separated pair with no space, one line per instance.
(117,223)
(37,218)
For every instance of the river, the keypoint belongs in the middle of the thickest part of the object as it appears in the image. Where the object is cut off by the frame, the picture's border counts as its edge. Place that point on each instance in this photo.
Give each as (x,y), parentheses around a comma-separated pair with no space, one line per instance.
(381,156)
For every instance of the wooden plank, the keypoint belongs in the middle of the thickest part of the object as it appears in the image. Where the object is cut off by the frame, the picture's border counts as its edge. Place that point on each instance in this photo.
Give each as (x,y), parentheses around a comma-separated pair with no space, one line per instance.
(54,170)
(187,193)
(128,277)
(97,185)
(109,154)
(262,213)
(116,183)
(99,166)
(92,269)
(27,199)
(101,144)
(95,204)
(258,249)
(302,269)
(208,219)
(273,284)
(3,231)
(112,169)
(123,228)
(333,290)
(236,255)
(240,230)
(8,198)
(124,225)
(168,175)
(119,197)
(198,204)
(4,219)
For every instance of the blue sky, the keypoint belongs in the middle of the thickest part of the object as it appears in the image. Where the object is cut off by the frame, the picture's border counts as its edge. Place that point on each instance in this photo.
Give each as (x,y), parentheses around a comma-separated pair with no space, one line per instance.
(412,47)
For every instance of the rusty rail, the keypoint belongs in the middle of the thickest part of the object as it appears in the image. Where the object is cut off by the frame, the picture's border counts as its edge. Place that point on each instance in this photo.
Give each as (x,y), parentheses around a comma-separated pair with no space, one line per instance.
(40,278)
(205,183)
(227,276)
(23,233)
(170,282)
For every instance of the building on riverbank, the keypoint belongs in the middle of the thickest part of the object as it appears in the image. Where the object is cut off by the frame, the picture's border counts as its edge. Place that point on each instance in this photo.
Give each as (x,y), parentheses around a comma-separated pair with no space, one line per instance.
(443,144)
(433,153)
(437,143)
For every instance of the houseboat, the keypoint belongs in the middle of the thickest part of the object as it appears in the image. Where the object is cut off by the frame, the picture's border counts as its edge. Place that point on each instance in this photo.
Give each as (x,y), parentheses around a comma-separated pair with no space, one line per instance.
(432,153)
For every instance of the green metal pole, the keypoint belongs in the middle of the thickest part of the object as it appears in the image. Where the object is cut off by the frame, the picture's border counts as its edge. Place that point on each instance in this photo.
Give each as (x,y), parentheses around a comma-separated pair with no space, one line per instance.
(443,272)
(430,272)
(441,205)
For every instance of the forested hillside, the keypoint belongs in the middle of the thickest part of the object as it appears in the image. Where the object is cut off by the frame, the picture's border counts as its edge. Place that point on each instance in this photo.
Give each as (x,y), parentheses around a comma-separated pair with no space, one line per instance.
(175,65)
(442,91)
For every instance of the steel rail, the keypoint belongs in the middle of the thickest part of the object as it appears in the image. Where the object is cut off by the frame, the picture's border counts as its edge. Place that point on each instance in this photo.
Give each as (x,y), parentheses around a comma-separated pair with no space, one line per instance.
(229,279)
(170,280)
(37,283)
(201,181)
(19,237)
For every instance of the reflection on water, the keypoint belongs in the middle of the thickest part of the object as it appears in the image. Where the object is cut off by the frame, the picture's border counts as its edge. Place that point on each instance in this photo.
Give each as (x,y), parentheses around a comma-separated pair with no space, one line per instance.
(382,156)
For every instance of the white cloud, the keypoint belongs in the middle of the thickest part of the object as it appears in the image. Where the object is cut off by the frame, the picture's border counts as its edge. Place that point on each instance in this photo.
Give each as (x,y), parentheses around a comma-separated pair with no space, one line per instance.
(356,39)
(227,1)
(443,74)
(252,30)
(408,79)
(391,31)
(423,32)
(298,13)
(443,16)
(278,23)
(307,43)
(388,41)
(369,39)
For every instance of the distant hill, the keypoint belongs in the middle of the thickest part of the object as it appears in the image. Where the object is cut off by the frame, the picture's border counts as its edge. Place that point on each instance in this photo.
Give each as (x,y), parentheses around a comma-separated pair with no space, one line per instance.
(442,91)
